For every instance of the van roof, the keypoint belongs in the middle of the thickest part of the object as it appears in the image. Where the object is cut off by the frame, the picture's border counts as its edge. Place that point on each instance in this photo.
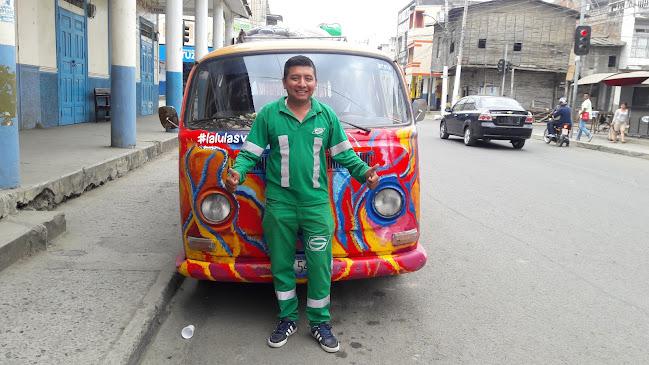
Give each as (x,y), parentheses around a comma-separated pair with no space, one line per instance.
(298,46)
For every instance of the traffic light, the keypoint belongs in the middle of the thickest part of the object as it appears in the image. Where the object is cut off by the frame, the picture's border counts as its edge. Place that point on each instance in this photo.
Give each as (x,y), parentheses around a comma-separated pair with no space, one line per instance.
(185,33)
(501,66)
(582,40)
(509,66)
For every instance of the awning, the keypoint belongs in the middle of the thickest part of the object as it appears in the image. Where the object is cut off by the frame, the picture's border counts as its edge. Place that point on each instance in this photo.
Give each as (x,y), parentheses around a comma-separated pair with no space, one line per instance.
(627,78)
(594,78)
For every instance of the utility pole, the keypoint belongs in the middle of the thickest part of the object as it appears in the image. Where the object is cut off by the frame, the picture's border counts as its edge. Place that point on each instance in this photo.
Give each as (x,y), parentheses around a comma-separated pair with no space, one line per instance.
(458,69)
(575,78)
(442,105)
(502,86)
(511,86)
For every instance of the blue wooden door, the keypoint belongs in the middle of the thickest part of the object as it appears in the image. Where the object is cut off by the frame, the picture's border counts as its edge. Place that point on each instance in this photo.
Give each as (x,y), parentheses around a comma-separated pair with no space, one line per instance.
(146,66)
(72,64)
(146,76)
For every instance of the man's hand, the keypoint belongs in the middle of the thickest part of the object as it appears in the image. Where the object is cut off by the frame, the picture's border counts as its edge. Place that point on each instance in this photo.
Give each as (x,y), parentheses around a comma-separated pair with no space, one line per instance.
(232,180)
(371,177)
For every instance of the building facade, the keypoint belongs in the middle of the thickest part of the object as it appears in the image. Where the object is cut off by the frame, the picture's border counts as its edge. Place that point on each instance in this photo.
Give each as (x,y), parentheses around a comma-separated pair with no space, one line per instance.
(414,44)
(621,36)
(537,37)
(63,55)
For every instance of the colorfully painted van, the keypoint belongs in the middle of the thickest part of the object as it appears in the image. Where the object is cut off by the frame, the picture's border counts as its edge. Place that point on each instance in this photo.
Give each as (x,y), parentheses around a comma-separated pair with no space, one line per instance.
(377,231)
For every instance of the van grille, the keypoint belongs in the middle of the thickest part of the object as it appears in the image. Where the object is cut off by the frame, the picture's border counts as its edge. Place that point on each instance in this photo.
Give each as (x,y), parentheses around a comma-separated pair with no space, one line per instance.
(367,157)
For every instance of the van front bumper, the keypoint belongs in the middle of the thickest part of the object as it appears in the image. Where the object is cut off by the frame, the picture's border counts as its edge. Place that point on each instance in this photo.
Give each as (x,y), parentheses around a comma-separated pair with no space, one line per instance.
(343,268)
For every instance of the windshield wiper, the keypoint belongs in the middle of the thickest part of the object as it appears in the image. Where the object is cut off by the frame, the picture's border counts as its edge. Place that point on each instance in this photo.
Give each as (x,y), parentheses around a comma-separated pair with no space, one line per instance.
(357,126)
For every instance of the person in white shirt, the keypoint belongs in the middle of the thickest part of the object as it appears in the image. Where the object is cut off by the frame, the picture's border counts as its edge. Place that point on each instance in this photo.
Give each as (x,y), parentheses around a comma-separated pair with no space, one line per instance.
(620,122)
(584,116)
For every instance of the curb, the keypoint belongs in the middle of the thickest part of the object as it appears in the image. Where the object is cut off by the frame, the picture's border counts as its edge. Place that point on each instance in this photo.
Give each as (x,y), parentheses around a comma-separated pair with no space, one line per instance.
(134,339)
(28,232)
(607,149)
(53,192)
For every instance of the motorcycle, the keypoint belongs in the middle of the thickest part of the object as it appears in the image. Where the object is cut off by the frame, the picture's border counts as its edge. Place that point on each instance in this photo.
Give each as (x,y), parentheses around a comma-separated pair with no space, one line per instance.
(561,135)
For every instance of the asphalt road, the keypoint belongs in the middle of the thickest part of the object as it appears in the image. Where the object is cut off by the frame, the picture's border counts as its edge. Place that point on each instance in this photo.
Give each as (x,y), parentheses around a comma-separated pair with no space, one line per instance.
(536,256)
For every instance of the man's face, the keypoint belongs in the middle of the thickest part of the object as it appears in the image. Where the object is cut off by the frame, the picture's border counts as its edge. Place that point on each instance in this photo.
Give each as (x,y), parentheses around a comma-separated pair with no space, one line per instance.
(300,83)
(585,96)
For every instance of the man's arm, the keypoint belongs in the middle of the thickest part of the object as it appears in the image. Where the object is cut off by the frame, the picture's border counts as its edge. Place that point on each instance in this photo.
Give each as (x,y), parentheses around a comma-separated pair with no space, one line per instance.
(250,153)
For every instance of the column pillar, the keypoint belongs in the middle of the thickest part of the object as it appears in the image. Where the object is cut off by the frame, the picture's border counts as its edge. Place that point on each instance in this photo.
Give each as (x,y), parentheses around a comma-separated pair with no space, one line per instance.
(200,30)
(174,54)
(9,152)
(122,15)
(218,24)
(229,26)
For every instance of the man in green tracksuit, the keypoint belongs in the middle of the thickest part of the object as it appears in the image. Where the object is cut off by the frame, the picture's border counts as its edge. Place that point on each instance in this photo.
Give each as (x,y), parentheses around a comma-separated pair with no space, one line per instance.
(299,131)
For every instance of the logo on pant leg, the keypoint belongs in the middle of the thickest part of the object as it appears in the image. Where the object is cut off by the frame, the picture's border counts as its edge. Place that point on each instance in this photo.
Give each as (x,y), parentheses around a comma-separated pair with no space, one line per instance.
(317,243)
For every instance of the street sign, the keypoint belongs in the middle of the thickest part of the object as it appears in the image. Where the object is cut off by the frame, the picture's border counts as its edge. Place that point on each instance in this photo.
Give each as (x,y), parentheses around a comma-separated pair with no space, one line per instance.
(158,9)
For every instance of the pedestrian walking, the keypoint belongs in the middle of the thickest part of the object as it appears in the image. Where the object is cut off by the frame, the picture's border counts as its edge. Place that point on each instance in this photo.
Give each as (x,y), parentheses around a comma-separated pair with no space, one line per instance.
(620,122)
(584,116)
(299,131)
(242,36)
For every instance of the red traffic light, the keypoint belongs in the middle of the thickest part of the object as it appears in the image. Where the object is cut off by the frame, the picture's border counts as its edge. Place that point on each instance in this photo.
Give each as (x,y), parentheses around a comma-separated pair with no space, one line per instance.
(584,32)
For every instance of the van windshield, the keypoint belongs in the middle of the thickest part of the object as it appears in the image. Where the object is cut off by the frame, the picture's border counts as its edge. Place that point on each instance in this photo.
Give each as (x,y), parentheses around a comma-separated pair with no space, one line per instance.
(226,93)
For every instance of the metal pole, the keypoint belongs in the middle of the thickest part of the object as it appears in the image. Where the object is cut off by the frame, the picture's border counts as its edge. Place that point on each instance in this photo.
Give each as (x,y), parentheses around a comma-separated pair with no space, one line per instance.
(502,87)
(458,69)
(575,78)
(442,104)
(511,87)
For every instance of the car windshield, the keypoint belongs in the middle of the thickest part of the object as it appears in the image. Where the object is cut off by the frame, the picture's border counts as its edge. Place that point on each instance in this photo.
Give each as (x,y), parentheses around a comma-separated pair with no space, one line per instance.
(500,103)
(226,93)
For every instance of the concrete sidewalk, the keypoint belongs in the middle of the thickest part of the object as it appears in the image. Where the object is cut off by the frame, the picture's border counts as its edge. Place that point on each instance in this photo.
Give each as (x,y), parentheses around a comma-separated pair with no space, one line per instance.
(58,164)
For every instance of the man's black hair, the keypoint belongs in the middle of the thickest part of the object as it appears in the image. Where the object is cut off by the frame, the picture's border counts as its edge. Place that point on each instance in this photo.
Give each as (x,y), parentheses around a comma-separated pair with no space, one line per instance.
(587,94)
(298,61)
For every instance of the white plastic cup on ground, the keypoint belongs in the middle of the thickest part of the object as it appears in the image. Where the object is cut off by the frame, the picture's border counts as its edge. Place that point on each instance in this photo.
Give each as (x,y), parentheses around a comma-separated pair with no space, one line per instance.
(188,332)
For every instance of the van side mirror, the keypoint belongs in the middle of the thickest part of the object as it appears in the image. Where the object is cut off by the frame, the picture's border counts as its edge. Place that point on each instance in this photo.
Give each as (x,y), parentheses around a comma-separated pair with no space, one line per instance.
(419,108)
(168,117)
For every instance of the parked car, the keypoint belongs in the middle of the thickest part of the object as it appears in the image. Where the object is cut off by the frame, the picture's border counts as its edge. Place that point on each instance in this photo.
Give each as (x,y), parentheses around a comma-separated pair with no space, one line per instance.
(486,118)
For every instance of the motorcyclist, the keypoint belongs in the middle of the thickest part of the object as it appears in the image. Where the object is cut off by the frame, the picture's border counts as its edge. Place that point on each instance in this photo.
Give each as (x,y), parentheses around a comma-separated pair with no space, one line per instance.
(561,116)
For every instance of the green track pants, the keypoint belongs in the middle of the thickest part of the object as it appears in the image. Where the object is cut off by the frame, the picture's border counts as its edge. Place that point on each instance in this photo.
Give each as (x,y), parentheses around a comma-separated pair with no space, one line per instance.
(281,224)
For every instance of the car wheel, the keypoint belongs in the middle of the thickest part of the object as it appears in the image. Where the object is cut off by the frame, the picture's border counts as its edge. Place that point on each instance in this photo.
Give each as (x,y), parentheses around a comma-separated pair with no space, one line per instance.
(469,140)
(518,143)
(546,138)
(442,130)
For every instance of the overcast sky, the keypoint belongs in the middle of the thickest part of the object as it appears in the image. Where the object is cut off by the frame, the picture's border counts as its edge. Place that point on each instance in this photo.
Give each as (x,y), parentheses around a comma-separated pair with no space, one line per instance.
(359,19)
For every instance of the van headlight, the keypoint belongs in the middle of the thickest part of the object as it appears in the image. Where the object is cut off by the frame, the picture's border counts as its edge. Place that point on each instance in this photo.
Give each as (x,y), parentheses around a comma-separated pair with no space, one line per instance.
(388,202)
(216,208)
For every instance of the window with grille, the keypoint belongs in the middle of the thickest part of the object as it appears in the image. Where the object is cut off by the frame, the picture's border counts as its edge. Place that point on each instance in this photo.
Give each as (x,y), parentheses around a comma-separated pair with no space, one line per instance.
(146,30)
(78,3)
(452,49)
(482,43)
(640,45)
(518,47)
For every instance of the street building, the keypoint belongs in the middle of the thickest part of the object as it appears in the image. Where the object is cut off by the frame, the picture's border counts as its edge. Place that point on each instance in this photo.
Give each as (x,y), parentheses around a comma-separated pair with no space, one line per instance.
(55,55)
(414,44)
(536,36)
(617,68)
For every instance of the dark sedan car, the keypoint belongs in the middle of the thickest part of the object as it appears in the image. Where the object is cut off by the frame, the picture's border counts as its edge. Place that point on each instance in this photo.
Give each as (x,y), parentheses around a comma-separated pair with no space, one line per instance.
(486,118)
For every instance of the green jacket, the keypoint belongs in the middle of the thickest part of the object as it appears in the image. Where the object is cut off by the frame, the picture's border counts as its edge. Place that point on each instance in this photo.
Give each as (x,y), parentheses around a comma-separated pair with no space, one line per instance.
(296,167)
